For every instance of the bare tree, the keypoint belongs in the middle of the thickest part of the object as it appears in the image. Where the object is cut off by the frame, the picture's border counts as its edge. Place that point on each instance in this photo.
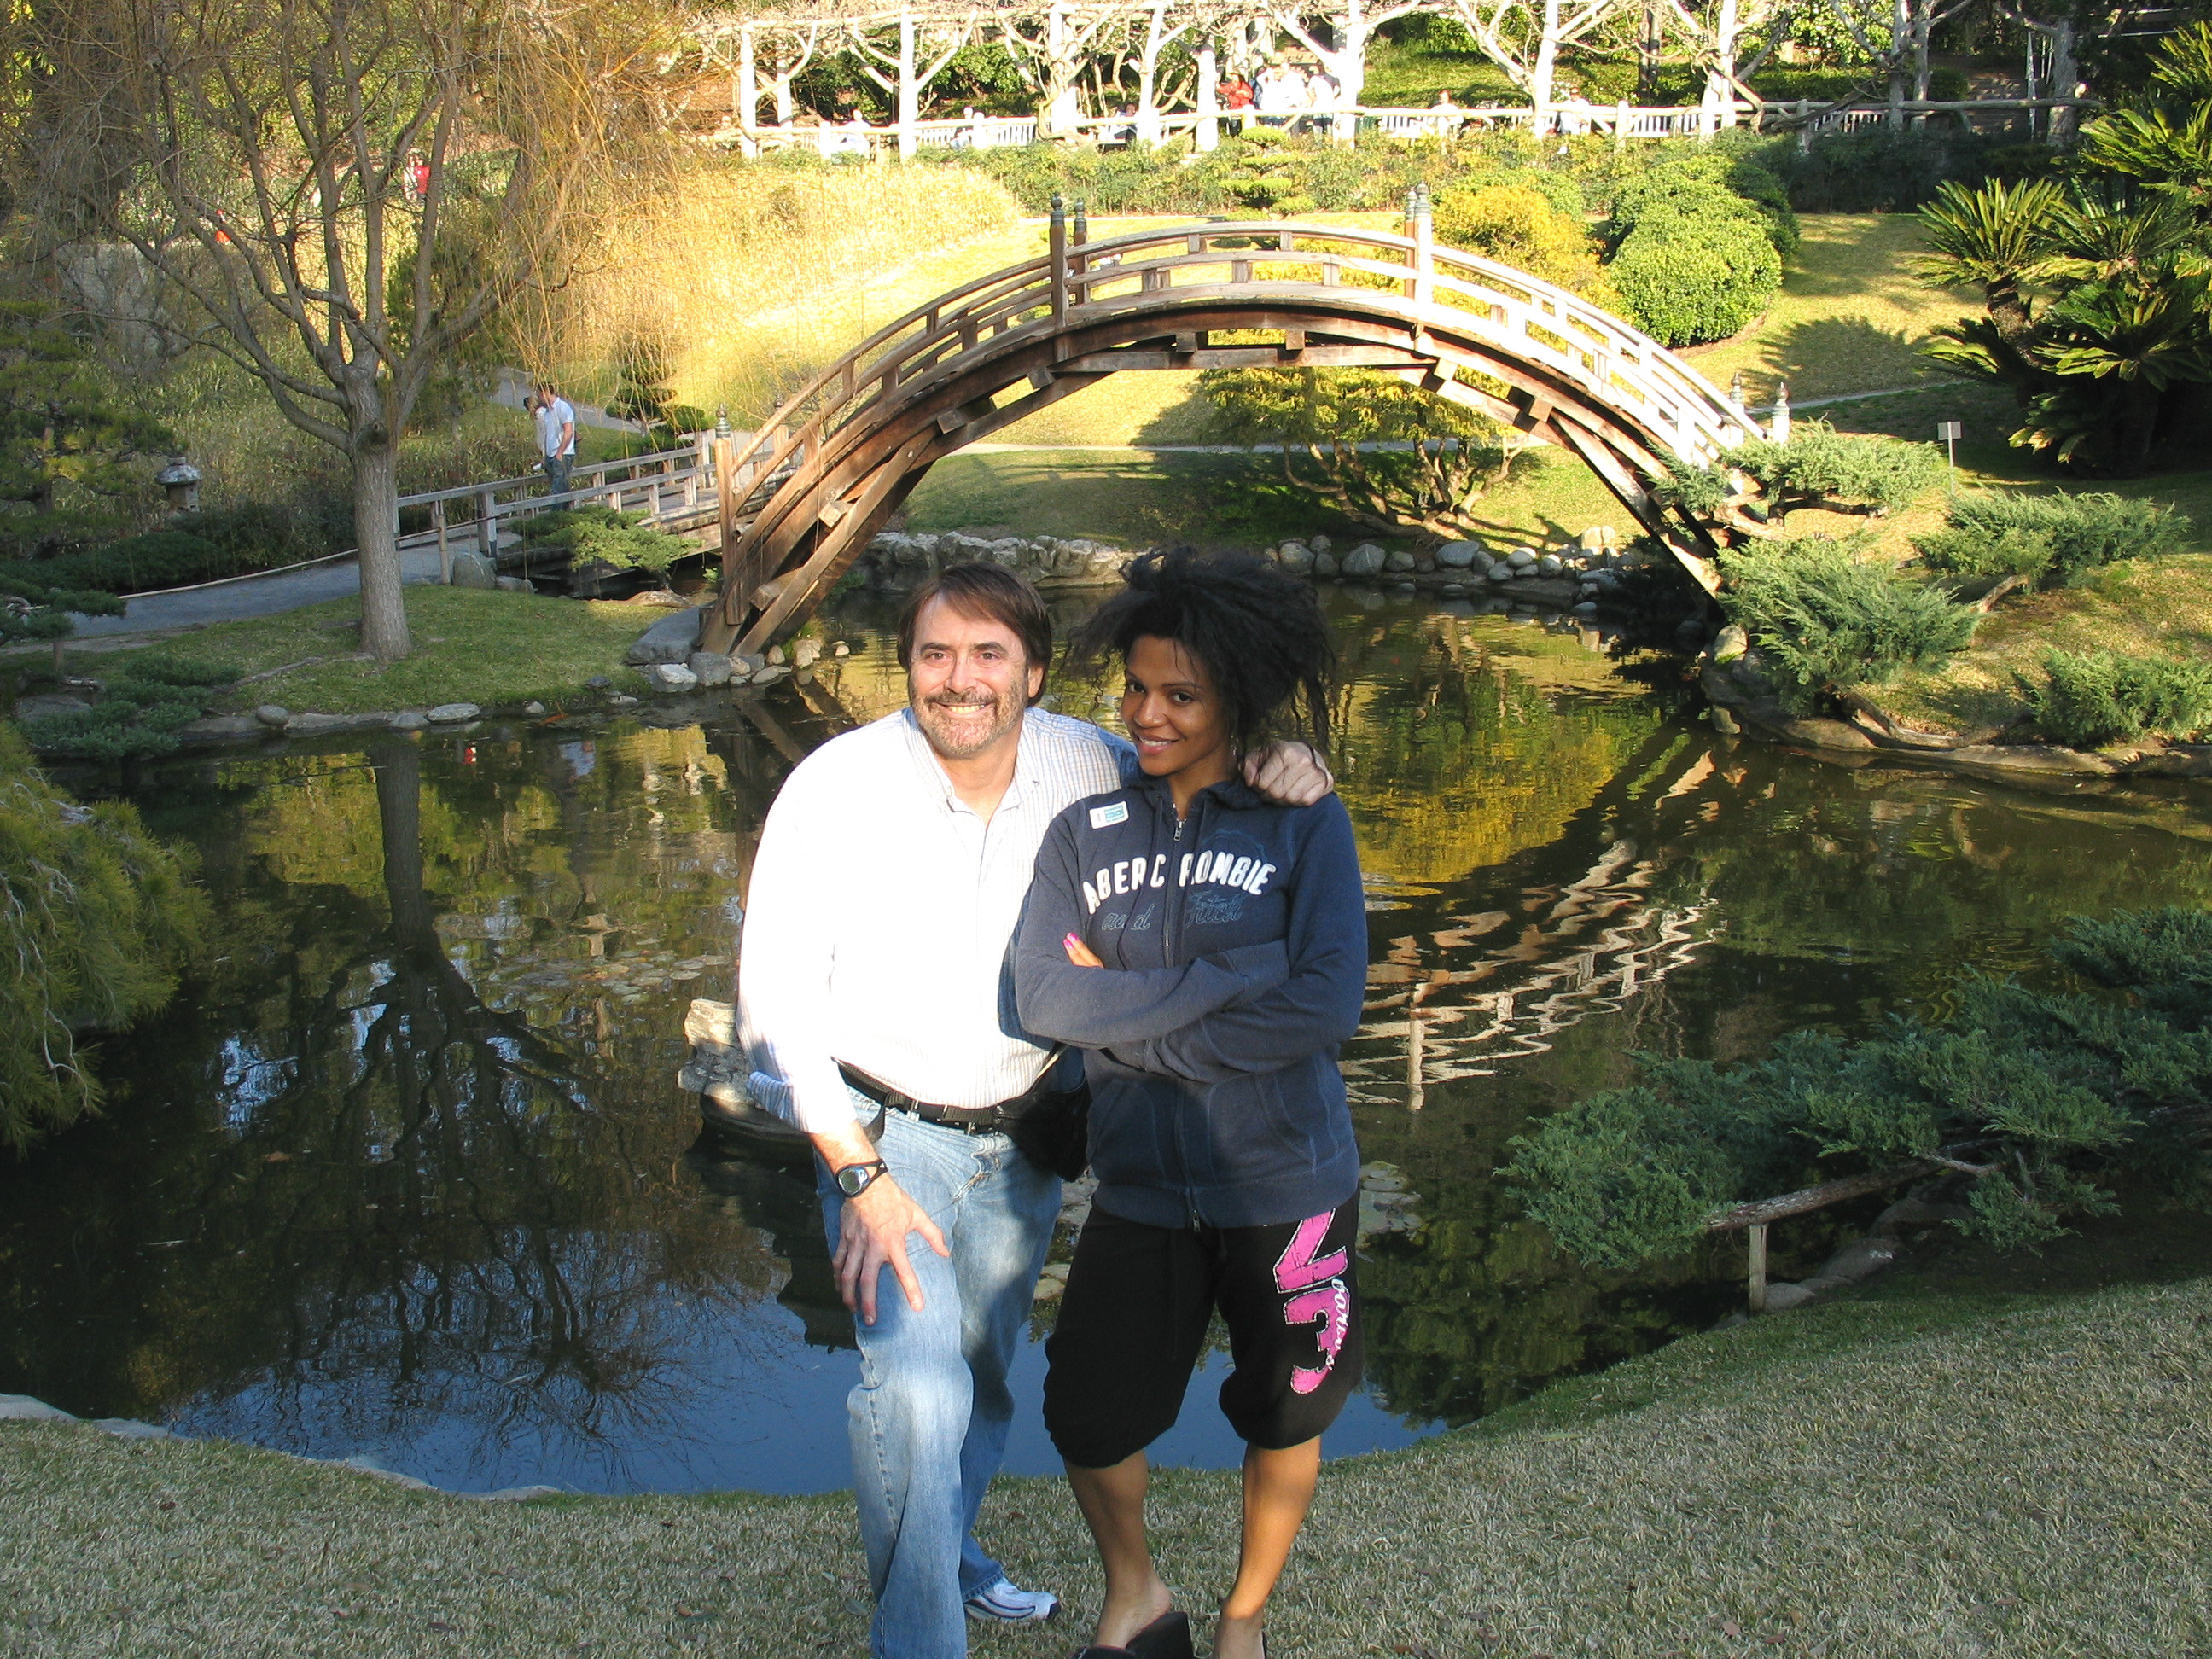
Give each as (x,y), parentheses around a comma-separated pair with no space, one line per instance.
(1719,33)
(908,67)
(1052,57)
(343,191)
(1350,25)
(1524,37)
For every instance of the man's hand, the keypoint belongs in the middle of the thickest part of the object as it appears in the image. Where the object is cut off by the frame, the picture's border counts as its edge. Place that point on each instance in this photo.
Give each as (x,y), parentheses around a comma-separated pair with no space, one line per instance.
(872,1229)
(1289,774)
(871,1235)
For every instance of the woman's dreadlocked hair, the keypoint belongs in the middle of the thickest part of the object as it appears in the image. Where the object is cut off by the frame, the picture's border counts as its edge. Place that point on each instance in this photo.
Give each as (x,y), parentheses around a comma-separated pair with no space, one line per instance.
(1257,628)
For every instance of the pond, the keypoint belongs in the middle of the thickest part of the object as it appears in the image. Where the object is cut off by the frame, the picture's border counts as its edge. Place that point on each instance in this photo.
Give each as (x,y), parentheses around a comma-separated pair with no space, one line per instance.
(404,1171)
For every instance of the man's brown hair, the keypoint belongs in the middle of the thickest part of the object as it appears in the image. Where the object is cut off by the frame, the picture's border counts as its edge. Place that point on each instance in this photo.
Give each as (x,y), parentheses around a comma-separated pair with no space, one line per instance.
(990,592)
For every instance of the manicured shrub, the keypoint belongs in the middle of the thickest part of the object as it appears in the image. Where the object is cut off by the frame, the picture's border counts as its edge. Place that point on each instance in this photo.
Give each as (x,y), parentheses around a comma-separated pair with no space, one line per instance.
(262,534)
(1878,169)
(2041,1099)
(94,914)
(1518,227)
(1714,185)
(620,539)
(1823,618)
(2056,539)
(1686,279)
(1822,467)
(1560,190)
(139,713)
(162,558)
(2095,697)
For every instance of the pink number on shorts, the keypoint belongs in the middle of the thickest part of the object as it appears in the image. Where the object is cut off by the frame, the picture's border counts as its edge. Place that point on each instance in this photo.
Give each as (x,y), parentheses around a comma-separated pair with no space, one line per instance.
(1296,1268)
(1330,1305)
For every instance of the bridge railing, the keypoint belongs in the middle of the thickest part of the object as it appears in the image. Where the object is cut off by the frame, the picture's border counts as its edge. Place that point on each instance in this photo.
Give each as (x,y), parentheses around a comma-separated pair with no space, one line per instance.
(665,486)
(1492,303)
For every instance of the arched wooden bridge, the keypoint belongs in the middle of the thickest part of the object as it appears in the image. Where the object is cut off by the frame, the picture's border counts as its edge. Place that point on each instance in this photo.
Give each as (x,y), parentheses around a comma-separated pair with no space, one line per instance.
(801,499)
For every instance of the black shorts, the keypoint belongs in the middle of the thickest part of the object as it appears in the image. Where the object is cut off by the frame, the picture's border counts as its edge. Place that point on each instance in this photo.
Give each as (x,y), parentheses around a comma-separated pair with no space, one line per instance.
(1135,1316)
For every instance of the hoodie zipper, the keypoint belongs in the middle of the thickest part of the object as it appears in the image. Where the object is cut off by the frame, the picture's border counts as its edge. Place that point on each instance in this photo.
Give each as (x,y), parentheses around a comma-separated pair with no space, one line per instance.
(1177,893)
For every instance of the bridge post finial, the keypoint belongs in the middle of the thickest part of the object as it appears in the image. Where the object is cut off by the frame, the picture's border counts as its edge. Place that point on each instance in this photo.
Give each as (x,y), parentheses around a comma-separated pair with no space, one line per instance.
(1058,260)
(1780,429)
(1735,389)
(1082,223)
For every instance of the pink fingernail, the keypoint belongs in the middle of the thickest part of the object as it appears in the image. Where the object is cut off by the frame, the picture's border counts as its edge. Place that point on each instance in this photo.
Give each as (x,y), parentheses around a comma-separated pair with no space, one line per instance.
(1074,941)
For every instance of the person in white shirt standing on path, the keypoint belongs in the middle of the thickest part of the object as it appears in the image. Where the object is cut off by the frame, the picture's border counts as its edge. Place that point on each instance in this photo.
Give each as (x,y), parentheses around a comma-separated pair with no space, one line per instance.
(556,436)
(874,999)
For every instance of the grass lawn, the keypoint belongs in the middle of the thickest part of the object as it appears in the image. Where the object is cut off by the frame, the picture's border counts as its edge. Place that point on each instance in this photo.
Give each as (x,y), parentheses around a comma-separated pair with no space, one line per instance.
(470,646)
(2161,608)
(1901,1474)
(1847,318)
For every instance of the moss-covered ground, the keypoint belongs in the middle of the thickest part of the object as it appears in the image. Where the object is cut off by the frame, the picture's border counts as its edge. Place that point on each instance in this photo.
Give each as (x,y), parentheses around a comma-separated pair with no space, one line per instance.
(1904,1474)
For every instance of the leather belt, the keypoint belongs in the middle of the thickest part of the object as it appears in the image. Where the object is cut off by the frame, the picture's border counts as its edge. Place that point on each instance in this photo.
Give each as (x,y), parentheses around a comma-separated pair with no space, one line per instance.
(969,1120)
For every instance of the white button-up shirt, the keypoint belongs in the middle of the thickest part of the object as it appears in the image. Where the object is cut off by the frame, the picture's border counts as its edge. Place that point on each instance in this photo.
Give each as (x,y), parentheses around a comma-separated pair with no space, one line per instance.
(880,911)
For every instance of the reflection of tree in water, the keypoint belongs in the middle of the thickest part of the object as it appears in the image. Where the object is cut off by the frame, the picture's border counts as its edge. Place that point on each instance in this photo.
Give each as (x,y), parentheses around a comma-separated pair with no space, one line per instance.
(506,1265)
(421,1205)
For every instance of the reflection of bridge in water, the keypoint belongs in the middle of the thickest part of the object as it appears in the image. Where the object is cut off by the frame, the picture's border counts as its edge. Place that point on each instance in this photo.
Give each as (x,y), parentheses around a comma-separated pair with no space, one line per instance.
(1445,1005)
(1461,999)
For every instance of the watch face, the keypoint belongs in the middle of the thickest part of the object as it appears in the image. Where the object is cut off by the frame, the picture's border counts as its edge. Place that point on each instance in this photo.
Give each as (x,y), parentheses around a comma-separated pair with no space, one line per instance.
(853,1178)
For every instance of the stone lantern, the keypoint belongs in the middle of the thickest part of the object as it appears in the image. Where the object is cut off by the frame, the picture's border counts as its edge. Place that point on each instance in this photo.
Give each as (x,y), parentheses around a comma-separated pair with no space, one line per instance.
(181,479)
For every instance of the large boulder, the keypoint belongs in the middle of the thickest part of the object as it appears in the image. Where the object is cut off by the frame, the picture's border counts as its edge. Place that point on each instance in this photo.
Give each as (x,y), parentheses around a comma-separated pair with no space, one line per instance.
(454,714)
(1324,565)
(1296,557)
(670,676)
(804,654)
(1458,556)
(672,639)
(709,668)
(1363,561)
(1399,560)
(474,570)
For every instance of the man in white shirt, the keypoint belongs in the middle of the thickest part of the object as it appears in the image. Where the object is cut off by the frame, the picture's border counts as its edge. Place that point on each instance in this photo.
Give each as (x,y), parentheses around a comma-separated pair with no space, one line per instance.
(874,999)
(556,436)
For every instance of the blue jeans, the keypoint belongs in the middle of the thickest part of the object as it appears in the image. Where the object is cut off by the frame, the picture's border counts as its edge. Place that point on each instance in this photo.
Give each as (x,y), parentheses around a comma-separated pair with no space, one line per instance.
(558,468)
(930,1417)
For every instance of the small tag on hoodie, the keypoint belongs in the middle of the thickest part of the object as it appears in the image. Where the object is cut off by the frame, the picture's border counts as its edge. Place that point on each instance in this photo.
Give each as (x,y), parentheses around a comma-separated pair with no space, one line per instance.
(1100,817)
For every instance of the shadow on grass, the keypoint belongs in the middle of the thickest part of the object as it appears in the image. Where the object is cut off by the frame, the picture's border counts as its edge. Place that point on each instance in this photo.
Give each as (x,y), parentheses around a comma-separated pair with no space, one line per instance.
(1832,350)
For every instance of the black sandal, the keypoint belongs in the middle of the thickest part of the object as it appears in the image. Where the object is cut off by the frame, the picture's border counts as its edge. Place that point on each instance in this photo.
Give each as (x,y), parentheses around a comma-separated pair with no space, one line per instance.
(1167,1637)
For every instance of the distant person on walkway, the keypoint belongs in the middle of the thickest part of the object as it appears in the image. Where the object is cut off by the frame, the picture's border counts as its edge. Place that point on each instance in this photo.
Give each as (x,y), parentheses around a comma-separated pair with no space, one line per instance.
(1280,93)
(1207,950)
(872,997)
(556,436)
(1236,92)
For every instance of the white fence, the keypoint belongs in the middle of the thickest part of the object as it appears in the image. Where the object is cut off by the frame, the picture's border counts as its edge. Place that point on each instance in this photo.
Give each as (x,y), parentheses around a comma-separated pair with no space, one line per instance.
(1621,122)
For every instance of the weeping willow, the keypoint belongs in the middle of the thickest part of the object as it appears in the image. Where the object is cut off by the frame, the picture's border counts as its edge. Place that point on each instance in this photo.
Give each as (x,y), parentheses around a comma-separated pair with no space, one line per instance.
(94,916)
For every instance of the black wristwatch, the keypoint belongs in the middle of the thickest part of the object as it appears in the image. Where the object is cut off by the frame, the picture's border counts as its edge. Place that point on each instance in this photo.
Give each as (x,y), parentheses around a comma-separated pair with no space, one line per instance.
(856,1178)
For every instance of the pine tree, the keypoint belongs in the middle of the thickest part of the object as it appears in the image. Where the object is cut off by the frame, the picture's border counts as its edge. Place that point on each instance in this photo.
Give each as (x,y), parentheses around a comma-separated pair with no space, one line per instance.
(66,452)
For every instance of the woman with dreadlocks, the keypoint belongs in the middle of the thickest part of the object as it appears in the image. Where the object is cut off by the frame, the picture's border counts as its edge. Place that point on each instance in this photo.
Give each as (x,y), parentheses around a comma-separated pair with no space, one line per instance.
(1208,951)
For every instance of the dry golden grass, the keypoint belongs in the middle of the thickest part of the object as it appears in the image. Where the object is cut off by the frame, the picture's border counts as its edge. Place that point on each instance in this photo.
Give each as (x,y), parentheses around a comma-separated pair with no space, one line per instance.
(752,278)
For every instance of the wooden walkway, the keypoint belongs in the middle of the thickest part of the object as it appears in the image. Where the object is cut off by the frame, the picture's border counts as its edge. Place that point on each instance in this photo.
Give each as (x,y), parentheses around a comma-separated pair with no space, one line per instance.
(798,500)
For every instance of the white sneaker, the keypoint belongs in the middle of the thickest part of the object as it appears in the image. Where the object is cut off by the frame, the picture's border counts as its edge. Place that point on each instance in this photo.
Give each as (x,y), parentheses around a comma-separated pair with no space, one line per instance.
(1000,1603)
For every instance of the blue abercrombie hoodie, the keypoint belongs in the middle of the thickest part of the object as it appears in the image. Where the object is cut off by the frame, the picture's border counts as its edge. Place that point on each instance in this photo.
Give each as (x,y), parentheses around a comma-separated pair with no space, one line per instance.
(1235,949)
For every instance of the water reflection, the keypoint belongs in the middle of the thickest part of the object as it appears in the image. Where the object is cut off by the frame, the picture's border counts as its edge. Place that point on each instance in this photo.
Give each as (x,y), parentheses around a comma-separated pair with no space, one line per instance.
(404,1173)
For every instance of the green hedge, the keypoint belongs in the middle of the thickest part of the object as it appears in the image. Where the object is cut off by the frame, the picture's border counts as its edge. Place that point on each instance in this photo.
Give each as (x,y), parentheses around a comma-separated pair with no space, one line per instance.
(2095,697)
(1687,280)
(138,714)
